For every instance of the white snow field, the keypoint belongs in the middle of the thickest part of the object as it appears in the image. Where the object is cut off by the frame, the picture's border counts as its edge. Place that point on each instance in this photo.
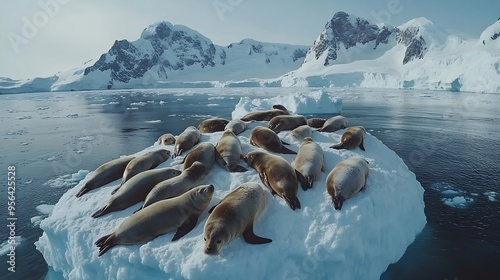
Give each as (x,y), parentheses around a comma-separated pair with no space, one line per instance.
(372,230)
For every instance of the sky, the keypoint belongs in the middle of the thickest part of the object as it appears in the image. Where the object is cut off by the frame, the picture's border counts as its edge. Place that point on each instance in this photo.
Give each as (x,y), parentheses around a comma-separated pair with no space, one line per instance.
(39,38)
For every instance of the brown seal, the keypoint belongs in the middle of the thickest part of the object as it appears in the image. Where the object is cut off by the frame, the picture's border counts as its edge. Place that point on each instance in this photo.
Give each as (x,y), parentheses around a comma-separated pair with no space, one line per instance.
(176,186)
(204,153)
(268,140)
(134,191)
(316,122)
(186,140)
(346,179)
(237,126)
(309,162)
(301,132)
(212,125)
(144,162)
(266,115)
(353,137)
(333,124)
(233,216)
(105,174)
(182,214)
(230,152)
(286,122)
(166,139)
(277,174)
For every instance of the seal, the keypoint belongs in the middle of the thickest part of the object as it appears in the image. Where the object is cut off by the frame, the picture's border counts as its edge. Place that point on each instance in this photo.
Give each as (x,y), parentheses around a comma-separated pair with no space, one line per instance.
(134,191)
(204,153)
(268,140)
(176,186)
(316,122)
(277,174)
(353,137)
(346,179)
(182,212)
(333,124)
(105,174)
(144,162)
(186,140)
(237,126)
(286,122)
(230,152)
(301,132)
(212,125)
(266,115)
(166,139)
(235,215)
(309,162)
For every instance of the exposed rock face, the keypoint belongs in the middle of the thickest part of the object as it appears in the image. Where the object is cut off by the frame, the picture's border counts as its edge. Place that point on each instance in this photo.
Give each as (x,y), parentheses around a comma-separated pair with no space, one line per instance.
(346,31)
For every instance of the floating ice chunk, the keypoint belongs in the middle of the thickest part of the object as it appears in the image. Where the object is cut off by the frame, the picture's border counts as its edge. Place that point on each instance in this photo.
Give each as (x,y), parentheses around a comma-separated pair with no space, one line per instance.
(138,103)
(66,180)
(154,121)
(458,201)
(44,209)
(24,118)
(132,108)
(114,103)
(51,158)
(492,196)
(74,116)
(86,138)
(5,245)
(212,105)
(317,102)
(42,108)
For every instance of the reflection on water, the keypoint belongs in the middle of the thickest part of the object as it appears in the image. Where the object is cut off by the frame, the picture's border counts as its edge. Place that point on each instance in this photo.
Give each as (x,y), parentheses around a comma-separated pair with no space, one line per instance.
(445,138)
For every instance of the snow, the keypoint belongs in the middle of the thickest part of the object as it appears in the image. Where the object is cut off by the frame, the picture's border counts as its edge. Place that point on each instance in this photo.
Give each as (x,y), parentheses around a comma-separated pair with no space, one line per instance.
(372,230)
(44,209)
(68,180)
(316,102)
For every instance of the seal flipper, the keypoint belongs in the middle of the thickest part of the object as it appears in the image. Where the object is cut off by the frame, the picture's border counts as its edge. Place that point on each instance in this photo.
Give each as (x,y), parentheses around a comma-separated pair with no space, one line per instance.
(186,227)
(251,238)
(338,146)
(361,146)
(105,243)
(213,207)
(101,212)
(303,182)
(285,143)
(83,190)
(285,150)
(292,201)
(240,168)
(115,190)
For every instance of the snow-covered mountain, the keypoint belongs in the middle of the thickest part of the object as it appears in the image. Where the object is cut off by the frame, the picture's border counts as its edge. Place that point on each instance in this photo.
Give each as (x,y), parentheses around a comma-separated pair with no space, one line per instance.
(172,53)
(350,51)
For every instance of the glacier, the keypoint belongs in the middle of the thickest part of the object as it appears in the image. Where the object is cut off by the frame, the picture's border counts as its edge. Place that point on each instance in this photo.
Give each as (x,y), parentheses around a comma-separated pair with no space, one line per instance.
(372,230)
(349,52)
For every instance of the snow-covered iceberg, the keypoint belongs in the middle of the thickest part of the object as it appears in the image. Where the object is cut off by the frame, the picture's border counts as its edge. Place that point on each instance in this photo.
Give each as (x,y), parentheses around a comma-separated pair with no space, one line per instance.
(317,102)
(372,230)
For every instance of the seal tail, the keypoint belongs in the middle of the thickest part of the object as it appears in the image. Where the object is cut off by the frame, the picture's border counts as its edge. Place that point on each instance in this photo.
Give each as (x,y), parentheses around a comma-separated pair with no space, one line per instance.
(105,243)
(82,191)
(303,180)
(285,150)
(320,130)
(310,181)
(338,146)
(101,212)
(292,201)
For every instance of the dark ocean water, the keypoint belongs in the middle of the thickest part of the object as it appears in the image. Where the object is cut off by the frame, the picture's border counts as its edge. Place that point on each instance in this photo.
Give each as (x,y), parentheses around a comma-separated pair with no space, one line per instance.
(449,140)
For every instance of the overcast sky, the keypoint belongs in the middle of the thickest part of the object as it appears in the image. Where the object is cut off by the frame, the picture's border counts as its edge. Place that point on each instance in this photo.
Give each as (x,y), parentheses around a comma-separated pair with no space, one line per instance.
(38,40)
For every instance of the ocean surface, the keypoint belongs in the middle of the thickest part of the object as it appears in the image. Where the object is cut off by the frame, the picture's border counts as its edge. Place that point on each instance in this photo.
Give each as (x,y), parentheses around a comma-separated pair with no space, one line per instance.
(449,140)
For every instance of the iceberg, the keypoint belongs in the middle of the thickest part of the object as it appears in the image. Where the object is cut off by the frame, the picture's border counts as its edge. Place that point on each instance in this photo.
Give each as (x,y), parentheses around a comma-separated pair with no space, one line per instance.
(372,230)
(316,102)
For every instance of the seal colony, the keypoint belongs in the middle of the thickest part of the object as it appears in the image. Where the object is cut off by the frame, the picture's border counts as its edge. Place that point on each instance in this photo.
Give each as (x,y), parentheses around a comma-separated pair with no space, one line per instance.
(181,194)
